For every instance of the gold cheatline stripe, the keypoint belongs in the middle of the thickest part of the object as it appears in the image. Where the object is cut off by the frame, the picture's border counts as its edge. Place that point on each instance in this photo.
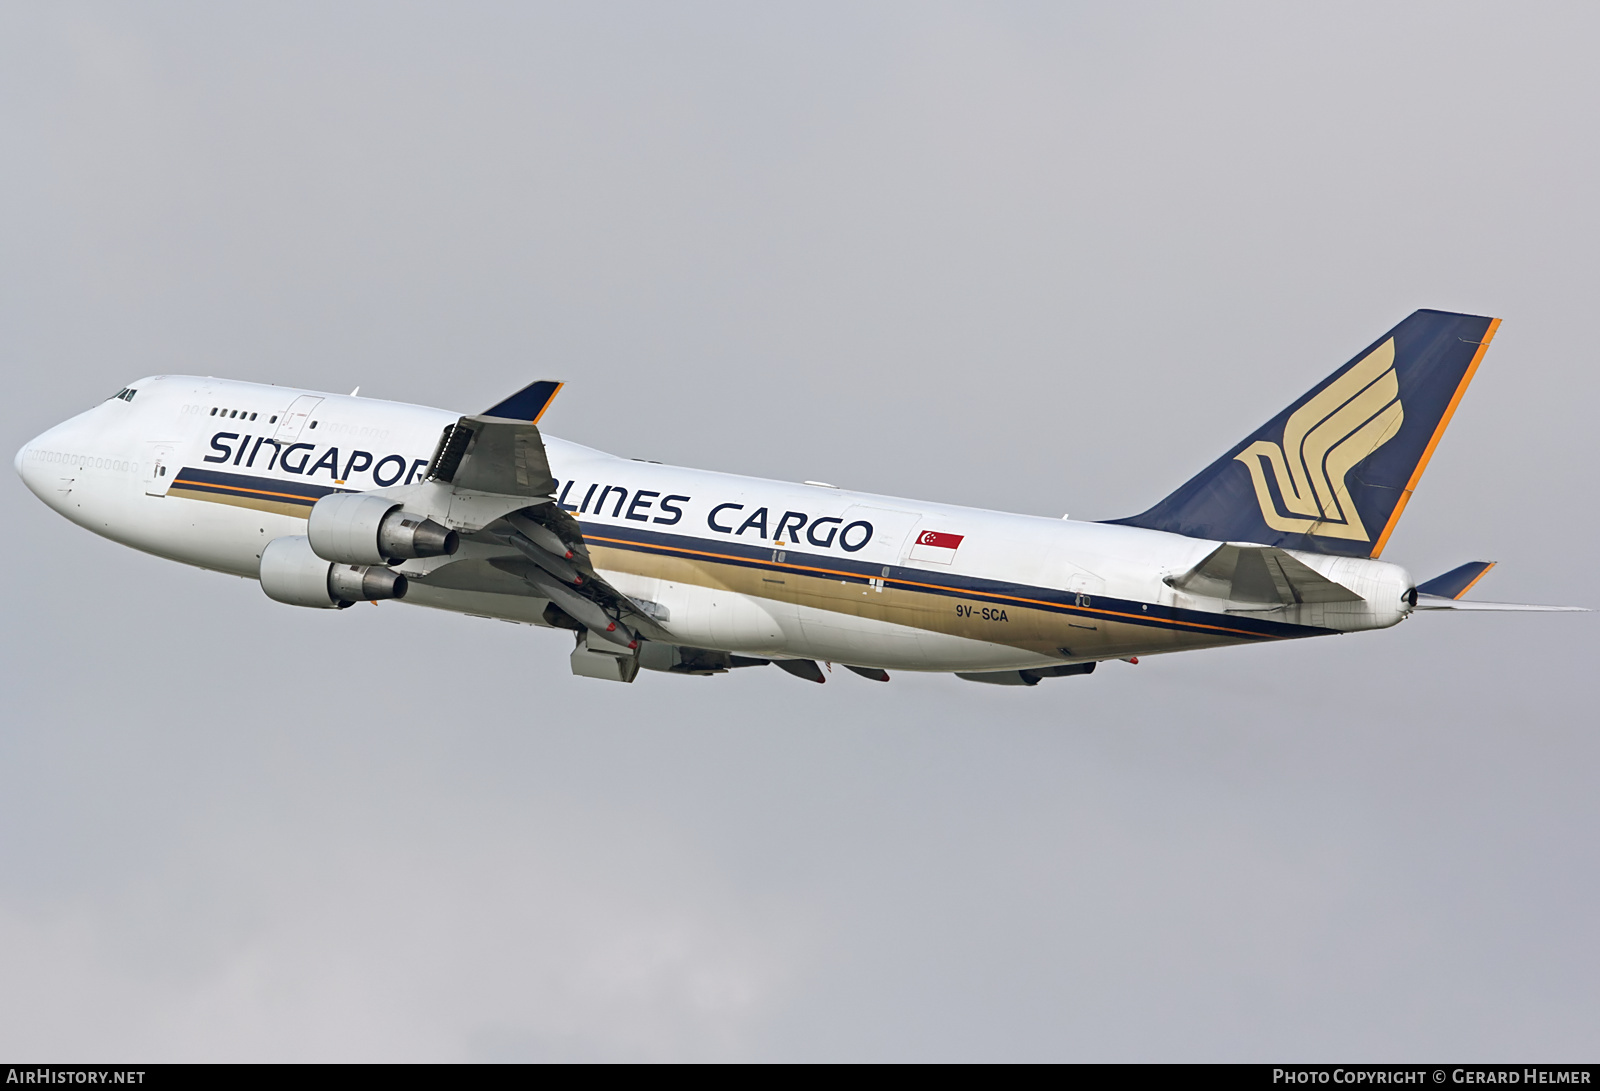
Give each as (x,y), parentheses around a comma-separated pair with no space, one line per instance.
(1476,578)
(935,587)
(240,488)
(1427,453)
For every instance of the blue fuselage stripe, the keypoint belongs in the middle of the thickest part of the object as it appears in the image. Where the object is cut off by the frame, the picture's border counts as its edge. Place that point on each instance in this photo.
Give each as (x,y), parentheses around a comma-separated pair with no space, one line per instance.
(763,557)
(273,489)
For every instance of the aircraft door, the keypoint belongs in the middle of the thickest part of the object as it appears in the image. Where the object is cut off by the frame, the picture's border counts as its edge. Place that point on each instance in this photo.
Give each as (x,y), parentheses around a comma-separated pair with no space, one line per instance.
(1085,584)
(841,627)
(889,539)
(159,468)
(293,421)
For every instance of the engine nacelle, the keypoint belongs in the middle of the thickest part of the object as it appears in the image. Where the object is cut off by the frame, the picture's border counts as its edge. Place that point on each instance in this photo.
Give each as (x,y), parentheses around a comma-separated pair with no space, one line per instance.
(360,528)
(291,572)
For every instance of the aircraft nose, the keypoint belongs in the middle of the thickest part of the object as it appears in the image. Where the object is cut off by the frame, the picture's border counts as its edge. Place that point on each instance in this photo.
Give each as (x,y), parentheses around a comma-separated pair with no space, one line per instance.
(26,467)
(32,461)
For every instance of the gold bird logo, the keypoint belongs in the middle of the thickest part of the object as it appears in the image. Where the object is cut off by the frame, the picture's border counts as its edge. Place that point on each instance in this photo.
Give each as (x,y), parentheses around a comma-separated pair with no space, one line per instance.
(1356,414)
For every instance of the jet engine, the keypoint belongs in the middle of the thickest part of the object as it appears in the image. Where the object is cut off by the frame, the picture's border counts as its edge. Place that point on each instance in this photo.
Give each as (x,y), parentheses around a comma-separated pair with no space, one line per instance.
(360,528)
(292,572)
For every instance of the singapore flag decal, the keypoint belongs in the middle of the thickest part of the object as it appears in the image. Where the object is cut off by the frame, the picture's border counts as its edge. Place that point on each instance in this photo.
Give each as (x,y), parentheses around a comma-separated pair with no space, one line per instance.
(931,545)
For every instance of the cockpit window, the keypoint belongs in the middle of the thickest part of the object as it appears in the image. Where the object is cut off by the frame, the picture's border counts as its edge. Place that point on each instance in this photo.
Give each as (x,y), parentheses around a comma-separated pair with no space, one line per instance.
(125,394)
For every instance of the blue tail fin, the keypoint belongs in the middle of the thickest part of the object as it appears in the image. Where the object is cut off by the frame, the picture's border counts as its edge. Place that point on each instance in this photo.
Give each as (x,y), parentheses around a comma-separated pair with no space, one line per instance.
(1333,472)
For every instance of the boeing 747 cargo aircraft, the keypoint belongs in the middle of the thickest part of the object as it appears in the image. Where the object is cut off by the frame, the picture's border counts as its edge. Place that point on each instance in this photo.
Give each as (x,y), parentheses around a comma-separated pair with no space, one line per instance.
(330,500)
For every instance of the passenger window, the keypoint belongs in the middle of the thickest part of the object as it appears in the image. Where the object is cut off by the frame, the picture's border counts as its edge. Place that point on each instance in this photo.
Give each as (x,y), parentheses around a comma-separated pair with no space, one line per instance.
(213,410)
(274,419)
(252,416)
(313,424)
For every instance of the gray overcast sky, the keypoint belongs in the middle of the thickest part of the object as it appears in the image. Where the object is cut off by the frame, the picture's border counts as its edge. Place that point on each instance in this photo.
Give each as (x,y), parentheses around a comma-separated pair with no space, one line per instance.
(1043,258)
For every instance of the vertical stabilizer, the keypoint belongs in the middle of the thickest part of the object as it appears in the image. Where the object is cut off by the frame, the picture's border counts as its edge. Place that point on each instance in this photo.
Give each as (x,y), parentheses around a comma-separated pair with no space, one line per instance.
(1332,473)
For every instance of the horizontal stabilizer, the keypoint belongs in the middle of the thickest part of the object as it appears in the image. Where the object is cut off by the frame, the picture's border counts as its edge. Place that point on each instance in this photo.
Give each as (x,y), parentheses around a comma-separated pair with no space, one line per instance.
(1436,602)
(1456,582)
(529,403)
(1445,592)
(1259,574)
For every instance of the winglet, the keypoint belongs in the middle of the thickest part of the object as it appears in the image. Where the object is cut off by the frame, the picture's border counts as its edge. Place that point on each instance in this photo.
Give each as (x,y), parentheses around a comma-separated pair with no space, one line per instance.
(1456,582)
(529,403)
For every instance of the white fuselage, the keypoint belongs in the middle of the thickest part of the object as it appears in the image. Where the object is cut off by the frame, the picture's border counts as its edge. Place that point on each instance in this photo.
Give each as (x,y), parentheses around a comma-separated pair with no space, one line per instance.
(208,471)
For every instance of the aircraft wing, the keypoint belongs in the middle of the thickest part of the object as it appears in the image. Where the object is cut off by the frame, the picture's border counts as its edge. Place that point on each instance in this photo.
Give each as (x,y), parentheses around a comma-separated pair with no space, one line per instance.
(490,480)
